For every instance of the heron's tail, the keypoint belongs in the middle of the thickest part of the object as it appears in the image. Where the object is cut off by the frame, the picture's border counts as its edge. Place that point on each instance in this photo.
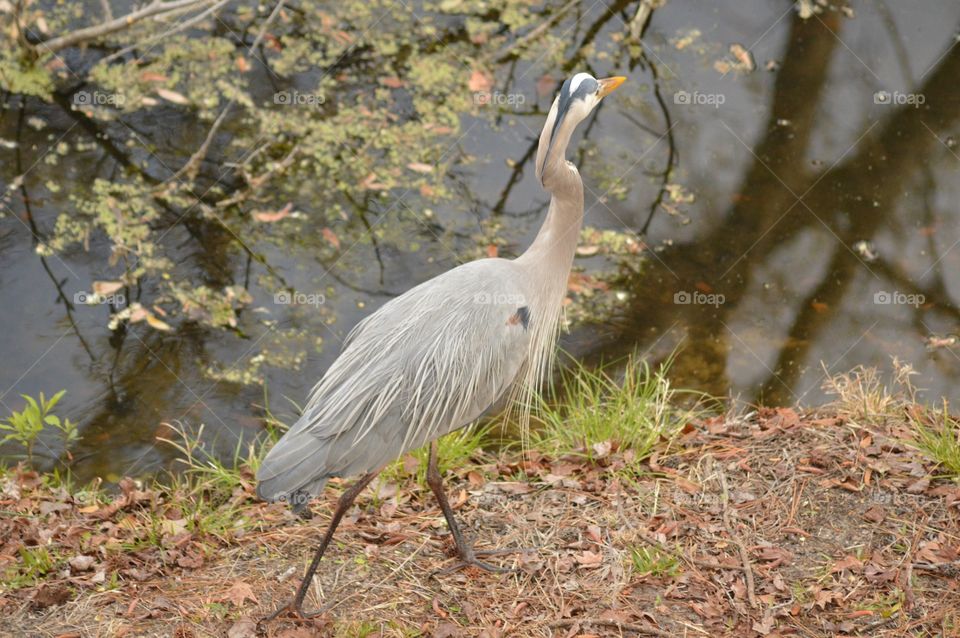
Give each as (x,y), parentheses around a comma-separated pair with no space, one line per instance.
(293,470)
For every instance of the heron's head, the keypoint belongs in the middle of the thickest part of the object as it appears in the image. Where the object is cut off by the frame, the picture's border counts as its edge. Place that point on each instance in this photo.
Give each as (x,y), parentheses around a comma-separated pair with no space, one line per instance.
(578,96)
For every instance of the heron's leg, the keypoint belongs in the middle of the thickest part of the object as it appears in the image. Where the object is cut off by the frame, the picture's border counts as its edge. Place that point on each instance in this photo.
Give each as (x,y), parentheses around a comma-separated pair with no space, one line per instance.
(468,556)
(343,505)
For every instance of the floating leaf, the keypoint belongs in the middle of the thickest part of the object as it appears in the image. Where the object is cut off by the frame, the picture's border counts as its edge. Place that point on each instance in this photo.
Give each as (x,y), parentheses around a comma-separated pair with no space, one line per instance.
(158,324)
(420,167)
(104,288)
(173,96)
(480,82)
(269,217)
(331,238)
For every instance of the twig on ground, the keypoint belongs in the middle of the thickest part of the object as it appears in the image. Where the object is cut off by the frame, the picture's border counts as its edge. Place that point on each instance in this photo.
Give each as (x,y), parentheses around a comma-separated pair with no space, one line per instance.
(616,624)
(741,548)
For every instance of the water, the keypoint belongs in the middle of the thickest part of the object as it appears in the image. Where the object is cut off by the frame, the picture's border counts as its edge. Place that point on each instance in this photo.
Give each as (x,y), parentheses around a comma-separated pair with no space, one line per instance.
(822,235)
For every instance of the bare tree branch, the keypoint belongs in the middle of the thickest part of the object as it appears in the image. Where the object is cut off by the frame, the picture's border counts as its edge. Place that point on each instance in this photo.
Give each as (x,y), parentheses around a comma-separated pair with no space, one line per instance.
(193,164)
(177,28)
(155,8)
(107,11)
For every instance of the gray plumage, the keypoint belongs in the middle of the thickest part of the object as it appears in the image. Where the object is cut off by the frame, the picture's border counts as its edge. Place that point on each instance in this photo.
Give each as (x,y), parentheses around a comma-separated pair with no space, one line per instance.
(436,358)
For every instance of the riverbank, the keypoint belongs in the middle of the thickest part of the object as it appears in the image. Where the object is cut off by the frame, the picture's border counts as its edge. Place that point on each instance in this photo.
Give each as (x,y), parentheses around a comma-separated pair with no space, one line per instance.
(773,522)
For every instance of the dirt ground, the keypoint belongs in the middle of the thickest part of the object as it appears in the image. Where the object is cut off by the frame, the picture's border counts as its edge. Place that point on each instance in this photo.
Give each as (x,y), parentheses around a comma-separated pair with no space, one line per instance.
(775,523)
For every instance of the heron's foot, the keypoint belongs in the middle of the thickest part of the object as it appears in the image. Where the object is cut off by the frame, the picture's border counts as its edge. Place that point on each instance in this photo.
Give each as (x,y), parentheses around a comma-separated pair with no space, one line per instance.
(470,557)
(295,609)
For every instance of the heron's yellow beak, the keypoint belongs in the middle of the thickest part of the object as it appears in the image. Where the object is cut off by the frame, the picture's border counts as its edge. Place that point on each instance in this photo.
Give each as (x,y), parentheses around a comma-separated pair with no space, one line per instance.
(609,85)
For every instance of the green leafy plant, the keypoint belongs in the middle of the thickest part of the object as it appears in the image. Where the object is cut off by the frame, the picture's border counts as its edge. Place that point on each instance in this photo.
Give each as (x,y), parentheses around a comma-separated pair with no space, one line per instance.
(937,434)
(34,564)
(26,426)
(654,562)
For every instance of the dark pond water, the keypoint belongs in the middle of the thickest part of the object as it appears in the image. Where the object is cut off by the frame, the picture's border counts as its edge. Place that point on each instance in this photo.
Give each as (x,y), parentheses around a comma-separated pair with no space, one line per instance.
(823,231)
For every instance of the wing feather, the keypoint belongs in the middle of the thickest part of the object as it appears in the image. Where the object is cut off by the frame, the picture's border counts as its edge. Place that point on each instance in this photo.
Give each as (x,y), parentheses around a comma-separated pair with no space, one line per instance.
(426,363)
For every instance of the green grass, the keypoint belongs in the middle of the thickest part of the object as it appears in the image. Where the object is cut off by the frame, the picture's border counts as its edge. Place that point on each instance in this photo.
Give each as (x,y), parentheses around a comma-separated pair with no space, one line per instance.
(35,563)
(633,410)
(937,434)
(369,629)
(205,469)
(650,561)
(455,450)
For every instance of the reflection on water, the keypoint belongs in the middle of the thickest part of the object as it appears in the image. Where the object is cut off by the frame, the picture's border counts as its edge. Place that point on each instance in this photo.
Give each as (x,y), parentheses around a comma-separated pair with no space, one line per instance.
(804,212)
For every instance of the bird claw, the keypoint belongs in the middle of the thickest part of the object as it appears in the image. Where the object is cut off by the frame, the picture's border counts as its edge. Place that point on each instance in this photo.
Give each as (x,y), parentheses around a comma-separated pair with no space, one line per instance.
(470,559)
(295,609)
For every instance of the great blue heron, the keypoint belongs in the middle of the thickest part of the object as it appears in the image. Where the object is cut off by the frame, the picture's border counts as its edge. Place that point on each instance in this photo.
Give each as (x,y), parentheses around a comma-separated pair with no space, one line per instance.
(437,357)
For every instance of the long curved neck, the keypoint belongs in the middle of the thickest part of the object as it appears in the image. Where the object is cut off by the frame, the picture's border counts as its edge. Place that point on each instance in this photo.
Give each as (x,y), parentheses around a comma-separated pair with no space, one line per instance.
(547,263)
(552,251)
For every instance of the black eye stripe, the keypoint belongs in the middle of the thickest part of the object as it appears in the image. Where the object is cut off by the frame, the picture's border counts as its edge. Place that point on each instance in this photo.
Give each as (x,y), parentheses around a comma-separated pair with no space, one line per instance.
(586,87)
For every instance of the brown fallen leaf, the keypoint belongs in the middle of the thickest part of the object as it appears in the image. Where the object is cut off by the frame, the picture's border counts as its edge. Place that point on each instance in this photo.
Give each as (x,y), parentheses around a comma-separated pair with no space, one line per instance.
(331,237)
(158,324)
(480,82)
(243,628)
(446,630)
(513,487)
(594,533)
(150,76)
(848,563)
(81,563)
(50,595)
(743,57)
(104,288)
(190,561)
(589,559)
(272,216)
(437,609)
(371,184)
(239,593)
(919,486)
(875,514)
